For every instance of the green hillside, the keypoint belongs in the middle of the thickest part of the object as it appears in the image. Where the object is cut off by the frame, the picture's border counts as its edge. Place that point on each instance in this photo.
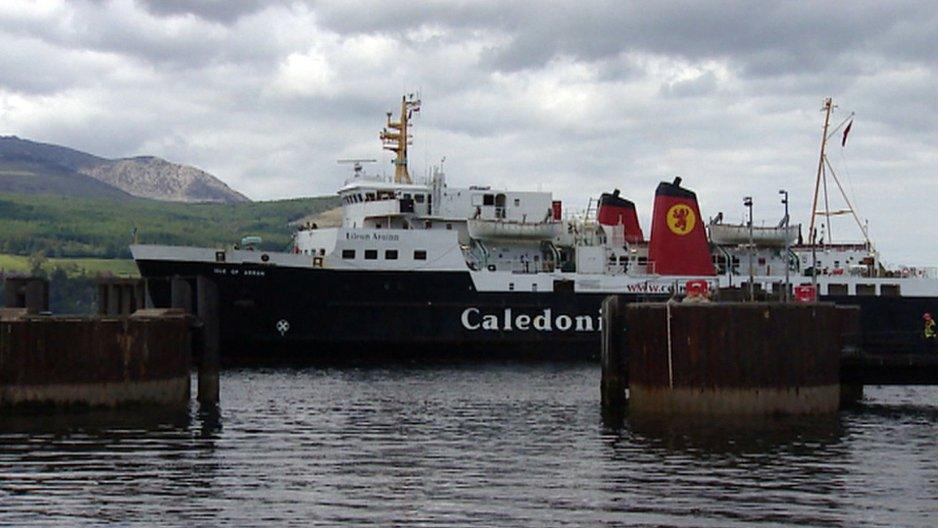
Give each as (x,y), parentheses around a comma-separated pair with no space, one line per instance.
(98,228)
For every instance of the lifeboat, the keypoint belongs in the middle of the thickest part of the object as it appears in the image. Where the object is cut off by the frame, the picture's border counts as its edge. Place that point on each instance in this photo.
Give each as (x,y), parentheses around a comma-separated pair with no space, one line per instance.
(736,234)
(512,230)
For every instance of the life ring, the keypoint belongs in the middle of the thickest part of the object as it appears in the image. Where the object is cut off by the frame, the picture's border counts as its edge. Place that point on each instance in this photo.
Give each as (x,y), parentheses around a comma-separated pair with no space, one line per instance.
(904,272)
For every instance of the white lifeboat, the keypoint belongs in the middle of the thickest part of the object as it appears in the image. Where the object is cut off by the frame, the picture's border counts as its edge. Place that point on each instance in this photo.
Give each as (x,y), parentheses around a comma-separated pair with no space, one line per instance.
(512,230)
(736,234)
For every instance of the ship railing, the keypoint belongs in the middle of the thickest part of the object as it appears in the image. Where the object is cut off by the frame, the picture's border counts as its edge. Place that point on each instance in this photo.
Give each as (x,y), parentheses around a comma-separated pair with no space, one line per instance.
(641,270)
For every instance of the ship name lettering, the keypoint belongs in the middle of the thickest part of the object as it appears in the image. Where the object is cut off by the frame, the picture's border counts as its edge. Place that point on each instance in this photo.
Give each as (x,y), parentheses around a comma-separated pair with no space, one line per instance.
(545,321)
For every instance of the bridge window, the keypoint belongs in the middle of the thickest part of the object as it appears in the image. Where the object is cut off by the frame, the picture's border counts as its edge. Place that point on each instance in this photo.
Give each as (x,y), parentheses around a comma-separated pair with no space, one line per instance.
(371,254)
(418,198)
(348,253)
(420,254)
(390,254)
(488,199)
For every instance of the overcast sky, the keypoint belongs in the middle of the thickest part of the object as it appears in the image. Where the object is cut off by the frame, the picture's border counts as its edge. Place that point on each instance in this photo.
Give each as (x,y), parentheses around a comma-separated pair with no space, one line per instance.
(572,97)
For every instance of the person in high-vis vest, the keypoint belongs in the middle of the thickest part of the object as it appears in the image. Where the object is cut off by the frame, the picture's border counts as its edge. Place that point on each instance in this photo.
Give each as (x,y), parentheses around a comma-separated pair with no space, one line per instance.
(929,333)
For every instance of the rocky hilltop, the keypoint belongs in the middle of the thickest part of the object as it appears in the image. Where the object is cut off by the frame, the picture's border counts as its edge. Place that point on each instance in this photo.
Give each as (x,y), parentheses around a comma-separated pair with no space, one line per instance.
(29,167)
(156,178)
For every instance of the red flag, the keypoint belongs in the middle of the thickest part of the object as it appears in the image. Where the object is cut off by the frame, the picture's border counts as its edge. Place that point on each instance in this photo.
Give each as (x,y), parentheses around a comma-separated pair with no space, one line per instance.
(843,142)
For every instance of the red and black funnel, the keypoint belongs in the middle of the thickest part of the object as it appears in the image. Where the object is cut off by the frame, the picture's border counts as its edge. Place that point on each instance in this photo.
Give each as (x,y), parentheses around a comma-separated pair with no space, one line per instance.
(615,210)
(678,243)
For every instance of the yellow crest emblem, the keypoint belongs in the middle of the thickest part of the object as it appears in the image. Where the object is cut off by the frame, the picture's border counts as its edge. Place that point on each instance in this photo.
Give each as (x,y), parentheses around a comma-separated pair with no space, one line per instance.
(681,219)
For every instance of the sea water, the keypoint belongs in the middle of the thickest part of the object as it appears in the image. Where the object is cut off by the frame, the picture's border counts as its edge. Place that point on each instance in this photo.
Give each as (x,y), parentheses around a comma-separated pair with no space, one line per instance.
(472,445)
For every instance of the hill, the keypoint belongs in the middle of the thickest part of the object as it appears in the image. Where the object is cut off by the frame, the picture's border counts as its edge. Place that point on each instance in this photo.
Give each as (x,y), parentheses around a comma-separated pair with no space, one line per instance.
(26,175)
(102,228)
(30,167)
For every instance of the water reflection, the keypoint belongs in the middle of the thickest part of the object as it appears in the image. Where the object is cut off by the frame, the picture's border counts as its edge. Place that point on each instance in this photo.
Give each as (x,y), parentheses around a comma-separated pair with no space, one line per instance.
(736,435)
(488,445)
(65,466)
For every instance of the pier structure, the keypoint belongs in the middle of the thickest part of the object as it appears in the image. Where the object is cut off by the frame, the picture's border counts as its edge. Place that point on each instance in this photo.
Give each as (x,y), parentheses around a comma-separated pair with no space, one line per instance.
(733,358)
(121,296)
(759,358)
(94,361)
(29,293)
(129,353)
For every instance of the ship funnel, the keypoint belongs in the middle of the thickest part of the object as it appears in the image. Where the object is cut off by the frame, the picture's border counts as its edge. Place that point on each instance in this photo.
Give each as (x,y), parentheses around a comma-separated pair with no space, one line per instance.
(678,243)
(615,210)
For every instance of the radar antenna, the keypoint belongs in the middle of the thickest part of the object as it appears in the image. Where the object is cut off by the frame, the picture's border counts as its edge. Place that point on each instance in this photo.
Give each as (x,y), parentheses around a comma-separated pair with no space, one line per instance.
(356,163)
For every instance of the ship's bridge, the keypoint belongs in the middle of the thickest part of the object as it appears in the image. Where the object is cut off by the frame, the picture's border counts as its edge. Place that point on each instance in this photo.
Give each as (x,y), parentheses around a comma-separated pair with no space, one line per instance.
(379,204)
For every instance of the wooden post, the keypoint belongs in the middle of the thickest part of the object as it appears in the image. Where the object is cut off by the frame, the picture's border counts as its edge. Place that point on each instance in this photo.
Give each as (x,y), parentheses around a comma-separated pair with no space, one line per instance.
(209,365)
(613,382)
(37,295)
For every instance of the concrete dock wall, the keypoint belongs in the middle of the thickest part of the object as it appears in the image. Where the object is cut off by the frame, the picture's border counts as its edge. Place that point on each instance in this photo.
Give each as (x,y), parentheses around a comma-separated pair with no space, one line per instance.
(102,361)
(734,358)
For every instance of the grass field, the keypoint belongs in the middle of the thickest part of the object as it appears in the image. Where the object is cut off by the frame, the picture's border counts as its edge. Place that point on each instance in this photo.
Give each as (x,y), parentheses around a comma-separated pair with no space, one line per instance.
(72,266)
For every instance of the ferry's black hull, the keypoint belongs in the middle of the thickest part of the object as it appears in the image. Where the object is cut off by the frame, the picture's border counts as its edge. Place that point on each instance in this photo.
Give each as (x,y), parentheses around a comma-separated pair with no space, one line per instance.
(273,314)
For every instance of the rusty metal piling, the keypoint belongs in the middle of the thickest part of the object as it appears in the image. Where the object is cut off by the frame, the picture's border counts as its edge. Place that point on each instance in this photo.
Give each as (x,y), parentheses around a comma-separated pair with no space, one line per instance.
(209,337)
(613,384)
(733,358)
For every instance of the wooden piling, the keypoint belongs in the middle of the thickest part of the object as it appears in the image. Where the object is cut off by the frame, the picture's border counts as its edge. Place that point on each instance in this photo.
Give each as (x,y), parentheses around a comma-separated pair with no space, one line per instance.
(120,296)
(209,361)
(613,383)
(31,293)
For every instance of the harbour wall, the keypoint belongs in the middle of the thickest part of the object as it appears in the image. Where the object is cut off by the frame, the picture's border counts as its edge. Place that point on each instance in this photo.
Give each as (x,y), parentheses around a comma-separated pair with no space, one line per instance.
(97,361)
(733,358)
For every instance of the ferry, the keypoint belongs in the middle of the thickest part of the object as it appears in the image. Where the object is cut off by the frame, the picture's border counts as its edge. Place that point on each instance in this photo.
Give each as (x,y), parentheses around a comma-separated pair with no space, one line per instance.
(425,270)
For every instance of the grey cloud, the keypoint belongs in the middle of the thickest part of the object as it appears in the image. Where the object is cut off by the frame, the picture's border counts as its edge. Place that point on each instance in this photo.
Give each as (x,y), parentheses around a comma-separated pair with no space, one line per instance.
(224,11)
(575,98)
(701,85)
(764,38)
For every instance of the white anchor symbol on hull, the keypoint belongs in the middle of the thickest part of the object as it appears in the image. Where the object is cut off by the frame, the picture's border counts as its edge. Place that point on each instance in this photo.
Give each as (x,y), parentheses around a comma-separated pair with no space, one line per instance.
(283,326)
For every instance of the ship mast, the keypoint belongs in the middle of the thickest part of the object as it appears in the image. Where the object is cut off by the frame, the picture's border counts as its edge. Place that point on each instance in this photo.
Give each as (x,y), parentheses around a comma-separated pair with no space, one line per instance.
(828,106)
(398,138)
(823,167)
